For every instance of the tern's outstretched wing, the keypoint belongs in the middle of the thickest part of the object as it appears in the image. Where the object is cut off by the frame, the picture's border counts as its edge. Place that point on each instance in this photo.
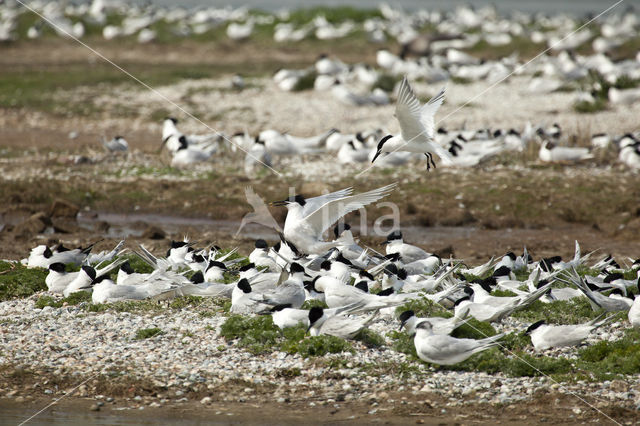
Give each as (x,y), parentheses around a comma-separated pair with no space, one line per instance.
(409,112)
(428,112)
(331,211)
(313,204)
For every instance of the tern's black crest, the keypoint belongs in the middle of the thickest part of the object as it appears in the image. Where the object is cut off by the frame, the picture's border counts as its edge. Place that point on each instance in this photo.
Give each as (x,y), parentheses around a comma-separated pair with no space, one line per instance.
(502,271)
(359,137)
(395,235)
(47,253)
(217,264)
(126,268)
(276,247)
(382,141)
(391,269)
(394,257)
(177,244)
(340,258)
(542,283)
(617,291)
(61,248)
(402,274)
(459,301)
(296,268)
(315,314)
(89,271)
(57,267)
(244,285)
(486,286)
(546,263)
(197,278)
(101,278)
(386,292)
(468,290)
(326,265)
(183,143)
(365,274)
(246,267)
(511,255)
(298,199)
(261,244)
(534,326)
(198,258)
(278,308)
(340,228)
(612,277)
(362,285)
(175,120)
(404,317)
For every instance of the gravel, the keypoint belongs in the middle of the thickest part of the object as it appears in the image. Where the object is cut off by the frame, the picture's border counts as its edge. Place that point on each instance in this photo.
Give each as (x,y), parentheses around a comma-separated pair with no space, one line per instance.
(190,353)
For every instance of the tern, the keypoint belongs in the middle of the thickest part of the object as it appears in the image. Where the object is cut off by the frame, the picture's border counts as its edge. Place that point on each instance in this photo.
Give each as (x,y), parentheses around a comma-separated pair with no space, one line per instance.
(446,350)
(408,253)
(336,325)
(416,126)
(439,325)
(545,336)
(117,144)
(307,219)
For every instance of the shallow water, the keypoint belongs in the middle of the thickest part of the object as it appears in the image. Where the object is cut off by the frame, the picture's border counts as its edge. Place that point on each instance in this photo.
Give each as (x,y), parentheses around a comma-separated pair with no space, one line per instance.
(53,416)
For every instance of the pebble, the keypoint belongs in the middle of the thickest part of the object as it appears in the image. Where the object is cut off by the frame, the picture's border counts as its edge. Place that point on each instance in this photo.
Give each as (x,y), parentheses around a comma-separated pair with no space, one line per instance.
(36,340)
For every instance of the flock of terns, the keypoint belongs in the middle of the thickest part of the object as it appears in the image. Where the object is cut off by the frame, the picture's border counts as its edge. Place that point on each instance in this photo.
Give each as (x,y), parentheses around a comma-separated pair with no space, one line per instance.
(356,284)
(418,137)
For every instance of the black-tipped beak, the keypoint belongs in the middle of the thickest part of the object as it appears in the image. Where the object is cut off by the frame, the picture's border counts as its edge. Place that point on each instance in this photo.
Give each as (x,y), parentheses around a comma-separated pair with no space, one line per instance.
(279,203)
(384,243)
(375,156)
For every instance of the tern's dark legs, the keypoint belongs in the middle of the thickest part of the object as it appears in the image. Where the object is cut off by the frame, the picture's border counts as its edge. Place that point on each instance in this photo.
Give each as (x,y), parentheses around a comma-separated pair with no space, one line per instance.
(429,160)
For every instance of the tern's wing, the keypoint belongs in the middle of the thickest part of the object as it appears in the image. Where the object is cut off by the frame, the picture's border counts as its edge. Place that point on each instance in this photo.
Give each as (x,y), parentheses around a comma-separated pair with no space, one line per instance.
(409,112)
(313,204)
(262,214)
(428,112)
(450,347)
(333,210)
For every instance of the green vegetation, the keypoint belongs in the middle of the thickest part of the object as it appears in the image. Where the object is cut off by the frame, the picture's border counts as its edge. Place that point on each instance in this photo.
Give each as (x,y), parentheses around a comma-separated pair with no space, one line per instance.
(305,82)
(147,333)
(333,14)
(310,303)
(260,335)
(73,299)
(522,46)
(18,281)
(599,87)
(370,338)
(40,89)
(386,82)
(573,311)
(587,107)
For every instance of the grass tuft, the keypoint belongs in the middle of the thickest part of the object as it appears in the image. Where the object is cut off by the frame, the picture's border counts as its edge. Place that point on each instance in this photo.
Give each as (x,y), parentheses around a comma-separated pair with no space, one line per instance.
(147,333)
(17,281)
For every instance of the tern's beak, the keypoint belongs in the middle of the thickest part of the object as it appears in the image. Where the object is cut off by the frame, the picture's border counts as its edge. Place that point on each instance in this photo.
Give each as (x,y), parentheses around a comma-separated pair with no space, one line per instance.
(279,203)
(375,156)
(384,243)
